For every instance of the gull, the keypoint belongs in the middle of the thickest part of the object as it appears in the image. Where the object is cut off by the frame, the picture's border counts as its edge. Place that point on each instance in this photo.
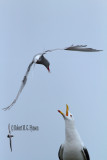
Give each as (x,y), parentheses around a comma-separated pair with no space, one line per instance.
(40,59)
(73,148)
(10,136)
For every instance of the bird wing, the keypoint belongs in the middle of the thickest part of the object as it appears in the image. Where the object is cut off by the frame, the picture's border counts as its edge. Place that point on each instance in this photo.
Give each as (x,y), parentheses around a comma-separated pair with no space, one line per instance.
(71,48)
(81,48)
(60,153)
(85,153)
(22,86)
(9,128)
(10,144)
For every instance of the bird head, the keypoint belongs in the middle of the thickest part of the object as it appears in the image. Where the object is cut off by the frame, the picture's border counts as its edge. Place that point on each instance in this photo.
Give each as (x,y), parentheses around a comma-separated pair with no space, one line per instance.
(40,59)
(68,115)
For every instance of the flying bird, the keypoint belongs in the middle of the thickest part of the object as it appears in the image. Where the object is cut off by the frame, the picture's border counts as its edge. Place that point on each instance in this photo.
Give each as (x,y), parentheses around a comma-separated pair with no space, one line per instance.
(73,147)
(40,59)
(10,137)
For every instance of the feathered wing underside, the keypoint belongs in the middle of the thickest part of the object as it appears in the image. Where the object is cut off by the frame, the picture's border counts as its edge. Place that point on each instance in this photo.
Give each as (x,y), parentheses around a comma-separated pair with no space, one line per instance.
(81,48)
(60,153)
(10,144)
(85,154)
(22,86)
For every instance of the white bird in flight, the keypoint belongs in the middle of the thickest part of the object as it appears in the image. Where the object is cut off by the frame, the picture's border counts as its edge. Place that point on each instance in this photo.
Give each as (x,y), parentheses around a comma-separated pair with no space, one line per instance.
(10,137)
(73,147)
(40,59)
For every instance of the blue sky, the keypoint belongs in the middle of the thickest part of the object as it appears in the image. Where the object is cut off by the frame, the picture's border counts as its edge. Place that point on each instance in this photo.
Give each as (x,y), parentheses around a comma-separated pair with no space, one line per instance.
(76,78)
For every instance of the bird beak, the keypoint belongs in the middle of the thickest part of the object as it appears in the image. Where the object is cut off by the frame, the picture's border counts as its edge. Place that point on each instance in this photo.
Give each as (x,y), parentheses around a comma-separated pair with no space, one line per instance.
(48,69)
(61,113)
(67,109)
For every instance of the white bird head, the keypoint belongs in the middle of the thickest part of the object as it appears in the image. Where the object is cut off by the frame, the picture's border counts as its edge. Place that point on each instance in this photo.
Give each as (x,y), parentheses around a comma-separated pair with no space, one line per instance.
(40,59)
(68,116)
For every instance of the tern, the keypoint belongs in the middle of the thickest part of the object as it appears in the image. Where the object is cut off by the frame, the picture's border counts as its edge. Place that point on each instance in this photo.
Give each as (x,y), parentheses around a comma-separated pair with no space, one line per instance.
(73,147)
(10,137)
(40,59)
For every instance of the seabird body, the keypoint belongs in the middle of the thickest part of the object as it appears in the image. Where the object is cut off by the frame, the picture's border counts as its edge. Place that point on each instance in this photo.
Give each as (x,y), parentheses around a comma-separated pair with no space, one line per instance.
(73,147)
(40,59)
(73,144)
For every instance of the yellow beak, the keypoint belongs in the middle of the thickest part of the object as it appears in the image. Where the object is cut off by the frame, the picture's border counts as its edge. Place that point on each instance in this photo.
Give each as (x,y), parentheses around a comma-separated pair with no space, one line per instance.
(67,109)
(61,112)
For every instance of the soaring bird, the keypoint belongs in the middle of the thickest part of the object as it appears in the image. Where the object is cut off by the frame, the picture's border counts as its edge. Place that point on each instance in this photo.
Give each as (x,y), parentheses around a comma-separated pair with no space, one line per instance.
(10,136)
(40,59)
(73,147)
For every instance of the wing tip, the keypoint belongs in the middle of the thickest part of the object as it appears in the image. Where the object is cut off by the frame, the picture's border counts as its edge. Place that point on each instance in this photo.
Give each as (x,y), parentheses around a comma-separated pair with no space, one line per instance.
(82,48)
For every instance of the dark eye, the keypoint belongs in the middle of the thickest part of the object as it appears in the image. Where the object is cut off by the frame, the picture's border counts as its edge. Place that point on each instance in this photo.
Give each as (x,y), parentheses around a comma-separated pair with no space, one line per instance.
(70,115)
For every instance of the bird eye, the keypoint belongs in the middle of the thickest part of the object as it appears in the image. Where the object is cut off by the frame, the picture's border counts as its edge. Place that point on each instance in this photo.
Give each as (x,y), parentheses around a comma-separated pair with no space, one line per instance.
(70,115)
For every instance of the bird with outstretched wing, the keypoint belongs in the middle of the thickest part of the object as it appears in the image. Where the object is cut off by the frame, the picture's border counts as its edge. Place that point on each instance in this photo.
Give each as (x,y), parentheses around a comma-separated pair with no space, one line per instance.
(40,59)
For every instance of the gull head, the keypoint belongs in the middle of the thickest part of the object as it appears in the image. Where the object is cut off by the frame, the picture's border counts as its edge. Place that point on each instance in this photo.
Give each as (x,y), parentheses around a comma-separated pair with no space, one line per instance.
(40,59)
(68,116)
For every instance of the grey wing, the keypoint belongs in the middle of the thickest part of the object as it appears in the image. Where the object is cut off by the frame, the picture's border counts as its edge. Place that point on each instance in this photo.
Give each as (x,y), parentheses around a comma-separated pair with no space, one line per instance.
(81,48)
(22,86)
(60,153)
(10,144)
(85,153)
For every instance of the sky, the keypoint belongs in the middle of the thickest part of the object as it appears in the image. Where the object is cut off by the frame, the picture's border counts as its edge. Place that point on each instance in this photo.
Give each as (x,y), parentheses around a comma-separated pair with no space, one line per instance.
(28,27)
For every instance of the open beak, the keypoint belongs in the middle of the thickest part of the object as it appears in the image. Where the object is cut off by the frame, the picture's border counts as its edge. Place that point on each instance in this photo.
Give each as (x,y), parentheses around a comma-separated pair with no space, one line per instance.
(67,109)
(61,113)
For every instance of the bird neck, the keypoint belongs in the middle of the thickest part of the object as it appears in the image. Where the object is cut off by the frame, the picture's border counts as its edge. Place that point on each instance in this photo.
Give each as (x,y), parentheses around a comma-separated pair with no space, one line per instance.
(71,133)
